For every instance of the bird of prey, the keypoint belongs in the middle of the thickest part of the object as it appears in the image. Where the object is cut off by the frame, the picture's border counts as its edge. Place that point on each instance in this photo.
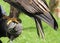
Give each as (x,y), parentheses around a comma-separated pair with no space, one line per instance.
(38,9)
(11,30)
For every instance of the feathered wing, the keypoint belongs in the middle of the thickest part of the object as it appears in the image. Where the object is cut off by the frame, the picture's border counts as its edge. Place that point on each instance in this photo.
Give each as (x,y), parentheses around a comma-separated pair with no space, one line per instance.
(39,6)
(46,18)
(39,27)
(49,19)
(36,6)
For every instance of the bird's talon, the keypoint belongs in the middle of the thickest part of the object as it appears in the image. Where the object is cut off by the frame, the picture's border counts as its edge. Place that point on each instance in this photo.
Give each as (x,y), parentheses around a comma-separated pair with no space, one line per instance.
(12,20)
(9,22)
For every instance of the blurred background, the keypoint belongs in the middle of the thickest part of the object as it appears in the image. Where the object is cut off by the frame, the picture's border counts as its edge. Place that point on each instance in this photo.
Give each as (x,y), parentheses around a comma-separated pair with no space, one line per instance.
(29,33)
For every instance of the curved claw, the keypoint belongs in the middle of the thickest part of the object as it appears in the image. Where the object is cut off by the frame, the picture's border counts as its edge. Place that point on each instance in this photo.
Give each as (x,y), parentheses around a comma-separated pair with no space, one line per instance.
(9,20)
(12,20)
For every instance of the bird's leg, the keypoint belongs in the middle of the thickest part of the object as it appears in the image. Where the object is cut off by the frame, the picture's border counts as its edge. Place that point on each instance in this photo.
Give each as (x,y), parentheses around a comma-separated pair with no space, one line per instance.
(14,13)
(9,20)
(12,20)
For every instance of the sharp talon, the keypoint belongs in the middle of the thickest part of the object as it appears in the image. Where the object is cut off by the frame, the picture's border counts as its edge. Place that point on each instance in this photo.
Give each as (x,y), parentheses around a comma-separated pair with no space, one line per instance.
(15,21)
(9,22)
(12,20)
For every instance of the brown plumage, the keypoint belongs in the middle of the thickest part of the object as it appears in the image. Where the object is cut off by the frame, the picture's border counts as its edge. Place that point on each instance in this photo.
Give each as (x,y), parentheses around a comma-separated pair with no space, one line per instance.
(37,9)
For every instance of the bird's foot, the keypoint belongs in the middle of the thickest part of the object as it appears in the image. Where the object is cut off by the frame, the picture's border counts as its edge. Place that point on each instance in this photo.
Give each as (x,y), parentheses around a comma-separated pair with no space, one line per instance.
(12,20)
(9,20)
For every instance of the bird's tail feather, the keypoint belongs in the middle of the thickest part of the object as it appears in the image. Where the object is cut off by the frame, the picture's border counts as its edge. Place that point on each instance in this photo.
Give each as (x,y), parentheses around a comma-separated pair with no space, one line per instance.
(48,18)
(40,31)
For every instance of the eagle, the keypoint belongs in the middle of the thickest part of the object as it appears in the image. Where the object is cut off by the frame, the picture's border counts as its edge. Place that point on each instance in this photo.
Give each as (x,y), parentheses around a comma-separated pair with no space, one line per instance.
(37,9)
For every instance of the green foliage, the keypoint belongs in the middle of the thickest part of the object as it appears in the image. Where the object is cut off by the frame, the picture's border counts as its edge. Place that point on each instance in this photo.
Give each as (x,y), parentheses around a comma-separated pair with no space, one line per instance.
(29,33)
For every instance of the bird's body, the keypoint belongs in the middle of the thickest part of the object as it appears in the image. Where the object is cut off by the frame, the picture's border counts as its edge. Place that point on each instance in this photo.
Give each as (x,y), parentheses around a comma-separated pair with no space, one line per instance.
(37,9)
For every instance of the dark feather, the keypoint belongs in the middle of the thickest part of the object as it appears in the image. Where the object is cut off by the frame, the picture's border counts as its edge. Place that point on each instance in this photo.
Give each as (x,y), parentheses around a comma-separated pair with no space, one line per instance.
(49,19)
(39,27)
(37,9)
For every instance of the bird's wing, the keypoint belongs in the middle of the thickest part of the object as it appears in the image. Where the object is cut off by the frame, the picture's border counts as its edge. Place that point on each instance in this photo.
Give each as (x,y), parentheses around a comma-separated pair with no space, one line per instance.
(39,27)
(52,22)
(46,18)
(45,2)
(37,6)
(34,6)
